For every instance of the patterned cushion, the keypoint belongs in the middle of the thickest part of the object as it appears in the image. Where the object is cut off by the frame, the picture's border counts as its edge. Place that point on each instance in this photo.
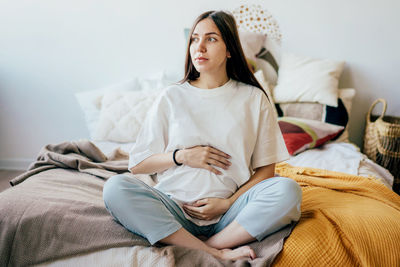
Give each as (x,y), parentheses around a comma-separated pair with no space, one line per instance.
(314,111)
(301,134)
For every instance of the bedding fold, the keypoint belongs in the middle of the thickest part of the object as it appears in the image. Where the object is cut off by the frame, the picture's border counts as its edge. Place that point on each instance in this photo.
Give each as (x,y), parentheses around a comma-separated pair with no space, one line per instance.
(81,155)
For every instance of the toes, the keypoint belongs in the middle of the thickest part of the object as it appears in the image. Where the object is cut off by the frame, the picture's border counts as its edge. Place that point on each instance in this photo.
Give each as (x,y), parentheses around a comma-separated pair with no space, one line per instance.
(252,254)
(248,252)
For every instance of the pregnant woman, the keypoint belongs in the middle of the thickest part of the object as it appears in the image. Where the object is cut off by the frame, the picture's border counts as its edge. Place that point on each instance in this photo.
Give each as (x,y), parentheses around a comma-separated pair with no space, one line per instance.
(213,141)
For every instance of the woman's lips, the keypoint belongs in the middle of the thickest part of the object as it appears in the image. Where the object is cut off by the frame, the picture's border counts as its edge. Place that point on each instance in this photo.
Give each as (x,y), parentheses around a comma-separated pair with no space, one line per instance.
(201,59)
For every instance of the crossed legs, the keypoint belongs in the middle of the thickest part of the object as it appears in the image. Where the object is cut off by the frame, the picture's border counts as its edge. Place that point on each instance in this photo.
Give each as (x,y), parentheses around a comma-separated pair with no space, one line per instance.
(265,208)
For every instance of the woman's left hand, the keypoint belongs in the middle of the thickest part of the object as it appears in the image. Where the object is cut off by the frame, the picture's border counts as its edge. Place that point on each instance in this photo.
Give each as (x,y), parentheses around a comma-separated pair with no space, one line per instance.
(207,208)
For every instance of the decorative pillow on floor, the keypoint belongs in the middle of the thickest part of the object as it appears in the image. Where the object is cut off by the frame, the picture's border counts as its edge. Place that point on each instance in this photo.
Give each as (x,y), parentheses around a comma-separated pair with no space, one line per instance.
(301,134)
(314,111)
(122,114)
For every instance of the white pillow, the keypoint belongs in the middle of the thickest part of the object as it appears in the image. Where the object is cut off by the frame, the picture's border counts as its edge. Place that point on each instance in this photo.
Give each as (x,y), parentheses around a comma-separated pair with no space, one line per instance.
(251,43)
(264,84)
(122,114)
(269,72)
(305,79)
(90,101)
(264,61)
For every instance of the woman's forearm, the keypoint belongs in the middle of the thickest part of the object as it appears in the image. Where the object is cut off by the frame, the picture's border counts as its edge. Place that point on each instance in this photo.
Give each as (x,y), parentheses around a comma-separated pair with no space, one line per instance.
(157,163)
(261,173)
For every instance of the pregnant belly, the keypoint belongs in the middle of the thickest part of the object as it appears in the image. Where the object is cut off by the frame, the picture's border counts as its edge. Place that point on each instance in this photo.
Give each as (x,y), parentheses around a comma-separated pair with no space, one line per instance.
(188,184)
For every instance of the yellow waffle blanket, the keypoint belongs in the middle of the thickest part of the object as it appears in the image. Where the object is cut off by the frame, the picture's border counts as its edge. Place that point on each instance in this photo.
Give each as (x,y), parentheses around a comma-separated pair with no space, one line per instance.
(346,220)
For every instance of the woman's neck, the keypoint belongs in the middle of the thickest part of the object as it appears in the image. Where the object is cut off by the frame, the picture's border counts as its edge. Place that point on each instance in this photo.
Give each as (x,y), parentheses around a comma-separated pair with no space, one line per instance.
(209,81)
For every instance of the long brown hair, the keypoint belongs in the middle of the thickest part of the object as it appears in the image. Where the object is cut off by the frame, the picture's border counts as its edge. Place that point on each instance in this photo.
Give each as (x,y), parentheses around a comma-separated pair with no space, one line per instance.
(236,66)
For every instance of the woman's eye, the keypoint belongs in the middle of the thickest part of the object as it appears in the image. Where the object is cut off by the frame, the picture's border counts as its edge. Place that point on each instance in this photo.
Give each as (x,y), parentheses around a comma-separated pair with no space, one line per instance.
(210,39)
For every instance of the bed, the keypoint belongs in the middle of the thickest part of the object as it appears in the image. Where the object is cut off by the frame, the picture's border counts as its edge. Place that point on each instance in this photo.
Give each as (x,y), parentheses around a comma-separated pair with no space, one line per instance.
(54,214)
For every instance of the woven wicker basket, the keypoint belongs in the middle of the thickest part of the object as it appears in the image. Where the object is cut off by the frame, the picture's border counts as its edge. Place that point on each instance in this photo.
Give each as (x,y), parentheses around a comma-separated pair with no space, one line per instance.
(382,141)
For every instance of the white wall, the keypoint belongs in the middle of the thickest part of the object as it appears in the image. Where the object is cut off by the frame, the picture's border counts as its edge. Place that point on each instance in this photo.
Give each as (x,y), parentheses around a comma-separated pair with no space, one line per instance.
(51,49)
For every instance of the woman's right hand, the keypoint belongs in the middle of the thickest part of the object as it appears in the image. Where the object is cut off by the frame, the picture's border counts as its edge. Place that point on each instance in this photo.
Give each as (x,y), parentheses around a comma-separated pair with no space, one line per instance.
(204,157)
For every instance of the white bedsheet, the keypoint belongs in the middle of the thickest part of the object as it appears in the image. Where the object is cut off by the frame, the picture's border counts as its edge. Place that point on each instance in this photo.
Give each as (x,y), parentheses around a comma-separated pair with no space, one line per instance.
(342,157)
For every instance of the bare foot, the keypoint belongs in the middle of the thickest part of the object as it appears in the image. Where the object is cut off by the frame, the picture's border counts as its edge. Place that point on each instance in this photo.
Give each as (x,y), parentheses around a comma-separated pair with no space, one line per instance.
(238,253)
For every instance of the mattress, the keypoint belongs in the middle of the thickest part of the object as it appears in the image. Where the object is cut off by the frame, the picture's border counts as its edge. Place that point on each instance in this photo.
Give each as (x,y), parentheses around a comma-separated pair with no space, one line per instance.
(341,157)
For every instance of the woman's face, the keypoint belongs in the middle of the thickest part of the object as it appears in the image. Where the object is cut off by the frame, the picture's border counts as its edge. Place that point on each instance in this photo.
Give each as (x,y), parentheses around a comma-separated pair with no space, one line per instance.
(207,49)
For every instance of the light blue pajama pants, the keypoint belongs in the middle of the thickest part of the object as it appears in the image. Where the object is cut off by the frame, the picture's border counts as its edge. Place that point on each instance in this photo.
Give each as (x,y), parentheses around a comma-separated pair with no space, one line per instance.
(265,208)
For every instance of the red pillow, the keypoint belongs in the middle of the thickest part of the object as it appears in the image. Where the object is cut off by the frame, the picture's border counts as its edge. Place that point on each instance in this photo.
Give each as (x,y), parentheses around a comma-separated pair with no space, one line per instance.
(301,134)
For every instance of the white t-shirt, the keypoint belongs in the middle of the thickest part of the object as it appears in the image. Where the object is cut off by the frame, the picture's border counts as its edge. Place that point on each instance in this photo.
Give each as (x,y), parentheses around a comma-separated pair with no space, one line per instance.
(235,118)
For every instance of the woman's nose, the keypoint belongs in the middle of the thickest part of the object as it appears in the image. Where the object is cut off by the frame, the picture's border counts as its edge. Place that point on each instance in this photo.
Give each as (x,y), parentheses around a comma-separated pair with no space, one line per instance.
(201,46)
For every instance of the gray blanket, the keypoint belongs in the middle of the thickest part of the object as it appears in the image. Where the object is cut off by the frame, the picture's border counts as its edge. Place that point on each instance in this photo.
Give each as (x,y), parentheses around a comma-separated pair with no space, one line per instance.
(55,210)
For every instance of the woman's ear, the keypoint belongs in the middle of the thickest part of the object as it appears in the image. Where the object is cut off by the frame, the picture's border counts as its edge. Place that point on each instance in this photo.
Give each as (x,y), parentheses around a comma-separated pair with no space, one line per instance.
(228,54)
